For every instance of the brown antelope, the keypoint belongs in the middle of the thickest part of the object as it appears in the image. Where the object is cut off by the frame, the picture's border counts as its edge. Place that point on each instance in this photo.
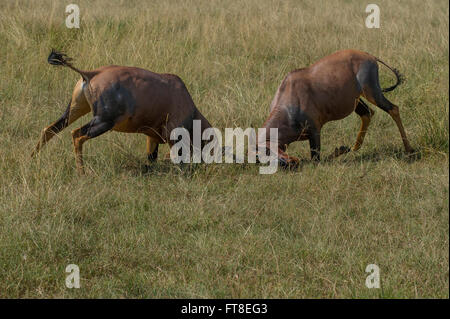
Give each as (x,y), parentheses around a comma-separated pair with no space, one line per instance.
(329,90)
(124,99)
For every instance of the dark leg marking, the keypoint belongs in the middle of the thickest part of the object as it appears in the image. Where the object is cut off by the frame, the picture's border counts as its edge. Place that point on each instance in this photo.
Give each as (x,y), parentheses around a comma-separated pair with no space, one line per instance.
(314,145)
(92,129)
(364,111)
(152,157)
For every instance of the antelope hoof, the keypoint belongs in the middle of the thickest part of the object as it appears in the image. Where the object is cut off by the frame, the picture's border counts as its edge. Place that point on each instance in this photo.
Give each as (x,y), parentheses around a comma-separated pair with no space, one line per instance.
(291,163)
(413,155)
(341,150)
(152,158)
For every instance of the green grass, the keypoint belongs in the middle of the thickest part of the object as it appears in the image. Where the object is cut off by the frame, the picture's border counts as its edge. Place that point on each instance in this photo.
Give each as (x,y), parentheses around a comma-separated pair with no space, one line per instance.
(220,231)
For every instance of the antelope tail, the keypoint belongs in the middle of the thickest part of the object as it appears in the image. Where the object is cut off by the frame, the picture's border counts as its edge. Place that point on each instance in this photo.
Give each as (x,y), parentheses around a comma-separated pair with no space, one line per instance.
(59,58)
(398,75)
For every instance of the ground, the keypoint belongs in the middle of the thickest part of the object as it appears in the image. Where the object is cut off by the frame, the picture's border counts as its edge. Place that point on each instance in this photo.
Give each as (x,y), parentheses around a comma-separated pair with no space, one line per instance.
(222,231)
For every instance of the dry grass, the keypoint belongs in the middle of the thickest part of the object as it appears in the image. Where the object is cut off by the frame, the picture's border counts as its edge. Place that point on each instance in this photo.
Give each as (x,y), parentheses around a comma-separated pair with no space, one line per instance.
(223,230)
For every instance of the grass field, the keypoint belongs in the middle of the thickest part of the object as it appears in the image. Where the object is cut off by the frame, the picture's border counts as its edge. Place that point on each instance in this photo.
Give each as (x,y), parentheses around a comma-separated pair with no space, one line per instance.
(222,231)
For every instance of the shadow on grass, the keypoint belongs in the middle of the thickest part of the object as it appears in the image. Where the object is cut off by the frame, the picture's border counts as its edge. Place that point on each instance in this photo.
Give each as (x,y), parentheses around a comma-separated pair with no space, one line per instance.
(374,155)
(382,153)
(165,167)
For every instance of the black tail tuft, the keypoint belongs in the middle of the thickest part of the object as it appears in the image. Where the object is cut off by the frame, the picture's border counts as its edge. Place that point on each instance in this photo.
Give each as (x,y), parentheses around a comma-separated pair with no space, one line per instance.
(400,79)
(58,58)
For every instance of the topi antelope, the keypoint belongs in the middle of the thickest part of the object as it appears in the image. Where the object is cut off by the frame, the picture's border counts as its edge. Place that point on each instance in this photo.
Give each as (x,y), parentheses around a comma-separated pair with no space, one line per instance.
(329,90)
(124,99)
